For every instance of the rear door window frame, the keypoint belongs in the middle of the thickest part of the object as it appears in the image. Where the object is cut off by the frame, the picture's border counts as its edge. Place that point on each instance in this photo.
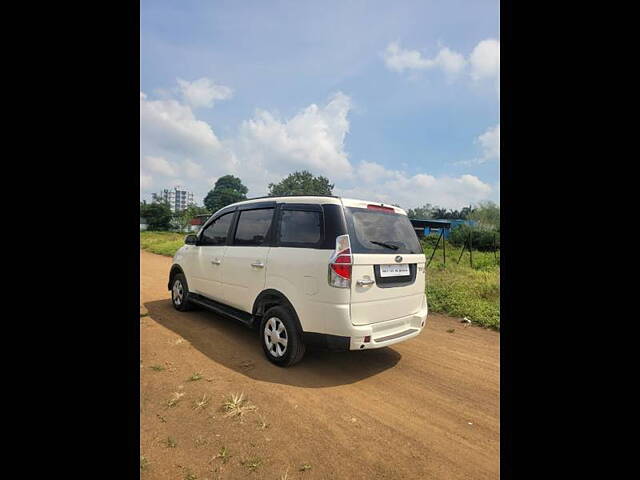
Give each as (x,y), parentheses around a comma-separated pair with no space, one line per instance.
(304,207)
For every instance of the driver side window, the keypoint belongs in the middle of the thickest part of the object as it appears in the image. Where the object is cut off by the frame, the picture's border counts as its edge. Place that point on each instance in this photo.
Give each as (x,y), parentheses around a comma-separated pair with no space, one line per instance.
(216,232)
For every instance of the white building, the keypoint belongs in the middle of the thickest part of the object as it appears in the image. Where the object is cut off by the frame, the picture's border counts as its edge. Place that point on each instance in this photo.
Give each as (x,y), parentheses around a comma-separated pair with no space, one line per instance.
(177,198)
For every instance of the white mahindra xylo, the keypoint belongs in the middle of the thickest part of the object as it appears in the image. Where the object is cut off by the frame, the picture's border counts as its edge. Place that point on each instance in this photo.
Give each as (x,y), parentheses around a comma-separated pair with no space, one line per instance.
(307,270)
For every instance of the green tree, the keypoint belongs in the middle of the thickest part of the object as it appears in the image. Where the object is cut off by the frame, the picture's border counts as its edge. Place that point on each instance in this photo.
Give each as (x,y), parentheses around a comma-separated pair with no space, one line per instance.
(227,190)
(183,218)
(426,211)
(157,214)
(301,183)
(487,214)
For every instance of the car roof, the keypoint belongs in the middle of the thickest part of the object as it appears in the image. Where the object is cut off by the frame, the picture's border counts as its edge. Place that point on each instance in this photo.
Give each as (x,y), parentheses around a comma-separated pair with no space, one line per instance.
(320,199)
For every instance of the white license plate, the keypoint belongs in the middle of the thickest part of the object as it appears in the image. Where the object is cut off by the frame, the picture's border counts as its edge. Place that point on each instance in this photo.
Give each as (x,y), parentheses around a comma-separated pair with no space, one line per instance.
(398,270)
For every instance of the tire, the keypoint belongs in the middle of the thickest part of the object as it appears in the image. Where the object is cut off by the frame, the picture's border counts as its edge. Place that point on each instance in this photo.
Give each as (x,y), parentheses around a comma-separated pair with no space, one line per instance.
(180,293)
(281,320)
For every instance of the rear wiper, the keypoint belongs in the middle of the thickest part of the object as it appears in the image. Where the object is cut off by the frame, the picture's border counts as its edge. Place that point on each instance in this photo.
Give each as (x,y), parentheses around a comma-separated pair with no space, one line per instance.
(388,245)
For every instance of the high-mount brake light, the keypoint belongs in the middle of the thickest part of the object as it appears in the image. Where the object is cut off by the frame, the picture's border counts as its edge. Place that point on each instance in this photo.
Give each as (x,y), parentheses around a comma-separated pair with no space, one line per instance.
(340,263)
(380,208)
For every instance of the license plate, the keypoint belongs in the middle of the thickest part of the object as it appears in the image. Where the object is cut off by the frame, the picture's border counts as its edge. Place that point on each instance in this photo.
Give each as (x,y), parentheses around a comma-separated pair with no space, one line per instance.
(399,270)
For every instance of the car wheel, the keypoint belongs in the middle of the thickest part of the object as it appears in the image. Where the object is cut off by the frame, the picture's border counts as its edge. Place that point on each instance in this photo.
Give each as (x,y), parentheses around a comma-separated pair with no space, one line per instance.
(281,339)
(180,293)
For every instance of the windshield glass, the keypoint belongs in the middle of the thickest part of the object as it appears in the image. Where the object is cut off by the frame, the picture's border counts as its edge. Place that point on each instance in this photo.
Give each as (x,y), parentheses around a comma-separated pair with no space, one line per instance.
(373,231)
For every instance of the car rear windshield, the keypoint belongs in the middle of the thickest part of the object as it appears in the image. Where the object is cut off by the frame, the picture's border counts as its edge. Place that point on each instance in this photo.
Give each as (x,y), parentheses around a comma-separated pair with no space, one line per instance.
(374,231)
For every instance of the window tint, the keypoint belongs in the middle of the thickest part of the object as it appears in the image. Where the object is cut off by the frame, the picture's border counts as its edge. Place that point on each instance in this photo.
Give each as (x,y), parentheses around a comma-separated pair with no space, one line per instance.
(216,233)
(299,226)
(371,230)
(253,226)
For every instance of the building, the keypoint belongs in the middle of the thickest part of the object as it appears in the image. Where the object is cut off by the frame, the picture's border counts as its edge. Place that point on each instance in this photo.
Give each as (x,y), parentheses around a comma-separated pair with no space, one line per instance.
(177,198)
(196,222)
(427,227)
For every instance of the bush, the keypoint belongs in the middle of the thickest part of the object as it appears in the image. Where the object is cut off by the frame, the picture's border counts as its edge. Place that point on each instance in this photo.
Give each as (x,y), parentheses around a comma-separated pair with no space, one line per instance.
(481,239)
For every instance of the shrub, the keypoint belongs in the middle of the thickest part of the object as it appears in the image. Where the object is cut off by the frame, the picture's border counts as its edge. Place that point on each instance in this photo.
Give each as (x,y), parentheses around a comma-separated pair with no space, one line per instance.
(481,238)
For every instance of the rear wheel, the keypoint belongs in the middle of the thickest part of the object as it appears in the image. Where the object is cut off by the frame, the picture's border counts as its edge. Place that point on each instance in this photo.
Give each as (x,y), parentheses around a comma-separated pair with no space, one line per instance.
(281,339)
(180,293)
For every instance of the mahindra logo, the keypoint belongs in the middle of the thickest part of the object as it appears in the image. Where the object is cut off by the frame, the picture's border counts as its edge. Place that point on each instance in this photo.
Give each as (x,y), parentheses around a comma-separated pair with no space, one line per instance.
(398,259)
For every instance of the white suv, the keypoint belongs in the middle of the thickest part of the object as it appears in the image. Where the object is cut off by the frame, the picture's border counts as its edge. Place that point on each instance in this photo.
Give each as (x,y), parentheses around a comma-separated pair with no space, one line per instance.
(334,272)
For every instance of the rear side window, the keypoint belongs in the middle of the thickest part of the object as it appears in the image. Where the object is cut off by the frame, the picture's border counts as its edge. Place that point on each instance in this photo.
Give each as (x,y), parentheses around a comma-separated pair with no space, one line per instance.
(216,233)
(373,231)
(253,227)
(300,228)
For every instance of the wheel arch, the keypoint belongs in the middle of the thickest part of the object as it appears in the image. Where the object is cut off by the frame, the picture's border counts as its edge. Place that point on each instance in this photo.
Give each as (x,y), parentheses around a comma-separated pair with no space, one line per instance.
(270,298)
(175,269)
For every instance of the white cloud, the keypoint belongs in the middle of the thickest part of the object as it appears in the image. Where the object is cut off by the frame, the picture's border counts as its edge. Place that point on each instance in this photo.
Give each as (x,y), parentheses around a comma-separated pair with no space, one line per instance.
(483,62)
(485,59)
(146,181)
(410,191)
(177,145)
(203,92)
(312,139)
(158,165)
(192,169)
(399,59)
(490,143)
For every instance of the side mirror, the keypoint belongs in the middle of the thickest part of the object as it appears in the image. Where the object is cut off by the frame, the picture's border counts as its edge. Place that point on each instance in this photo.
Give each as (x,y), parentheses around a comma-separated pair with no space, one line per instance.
(191,240)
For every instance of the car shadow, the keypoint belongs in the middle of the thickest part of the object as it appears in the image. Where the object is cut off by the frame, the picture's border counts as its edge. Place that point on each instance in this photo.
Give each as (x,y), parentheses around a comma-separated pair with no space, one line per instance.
(238,348)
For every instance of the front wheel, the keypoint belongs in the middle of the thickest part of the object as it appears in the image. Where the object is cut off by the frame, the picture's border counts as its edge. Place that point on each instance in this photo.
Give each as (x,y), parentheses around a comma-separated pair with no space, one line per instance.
(281,339)
(180,293)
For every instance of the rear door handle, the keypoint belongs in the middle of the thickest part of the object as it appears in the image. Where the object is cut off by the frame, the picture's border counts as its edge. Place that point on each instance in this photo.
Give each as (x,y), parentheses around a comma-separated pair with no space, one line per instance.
(216,261)
(257,264)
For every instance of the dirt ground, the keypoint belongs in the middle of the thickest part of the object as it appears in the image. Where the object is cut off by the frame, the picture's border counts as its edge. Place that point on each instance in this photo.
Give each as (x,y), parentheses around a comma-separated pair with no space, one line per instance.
(427,408)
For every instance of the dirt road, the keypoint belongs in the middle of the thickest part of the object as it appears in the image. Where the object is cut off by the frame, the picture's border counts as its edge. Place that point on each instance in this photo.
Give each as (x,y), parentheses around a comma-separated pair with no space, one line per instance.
(427,408)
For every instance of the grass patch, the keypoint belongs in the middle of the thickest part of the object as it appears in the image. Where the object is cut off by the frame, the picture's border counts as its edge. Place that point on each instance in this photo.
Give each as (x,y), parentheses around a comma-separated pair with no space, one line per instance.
(157,368)
(170,443)
(195,377)
(236,405)
(144,463)
(175,398)
(223,454)
(201,404)
(252,464)
(162,243)
(464,291)
(305,467)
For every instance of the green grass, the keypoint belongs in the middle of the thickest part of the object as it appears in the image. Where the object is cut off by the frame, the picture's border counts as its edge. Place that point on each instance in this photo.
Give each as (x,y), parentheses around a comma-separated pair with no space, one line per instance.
(162,243)
(462,291)
(458,290)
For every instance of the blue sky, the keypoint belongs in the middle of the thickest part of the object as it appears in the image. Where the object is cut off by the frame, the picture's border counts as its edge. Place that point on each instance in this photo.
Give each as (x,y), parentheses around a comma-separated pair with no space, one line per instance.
(392,101)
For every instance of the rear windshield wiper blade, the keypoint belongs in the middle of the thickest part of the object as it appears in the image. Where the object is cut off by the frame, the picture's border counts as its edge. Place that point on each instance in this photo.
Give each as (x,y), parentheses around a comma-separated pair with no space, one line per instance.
(388,245)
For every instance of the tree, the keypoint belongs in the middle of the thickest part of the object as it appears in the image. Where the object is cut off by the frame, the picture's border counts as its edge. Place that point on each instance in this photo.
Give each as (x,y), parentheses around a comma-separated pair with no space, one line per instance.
(487,214)
(157,214)
(426,211)
(301,183)
(184,217)
(227,190)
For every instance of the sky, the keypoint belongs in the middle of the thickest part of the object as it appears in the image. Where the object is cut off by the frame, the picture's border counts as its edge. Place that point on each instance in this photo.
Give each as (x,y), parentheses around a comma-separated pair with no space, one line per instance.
(397,102)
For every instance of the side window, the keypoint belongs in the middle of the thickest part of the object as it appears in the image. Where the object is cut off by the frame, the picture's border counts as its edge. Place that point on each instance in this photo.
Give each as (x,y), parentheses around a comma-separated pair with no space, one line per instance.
(216,233)
(300,227)
(253,227)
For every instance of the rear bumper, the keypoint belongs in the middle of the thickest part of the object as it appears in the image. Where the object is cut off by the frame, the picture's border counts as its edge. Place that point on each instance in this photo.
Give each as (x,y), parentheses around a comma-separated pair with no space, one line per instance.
(387,333)
(381,334)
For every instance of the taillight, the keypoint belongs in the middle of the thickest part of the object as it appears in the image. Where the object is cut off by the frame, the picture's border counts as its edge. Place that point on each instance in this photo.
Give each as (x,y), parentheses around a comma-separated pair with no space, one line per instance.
(380,208)
(340,263)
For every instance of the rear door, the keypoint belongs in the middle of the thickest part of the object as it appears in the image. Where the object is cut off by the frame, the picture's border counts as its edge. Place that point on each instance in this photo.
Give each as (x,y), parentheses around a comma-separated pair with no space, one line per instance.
(387,279)
(245,261)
